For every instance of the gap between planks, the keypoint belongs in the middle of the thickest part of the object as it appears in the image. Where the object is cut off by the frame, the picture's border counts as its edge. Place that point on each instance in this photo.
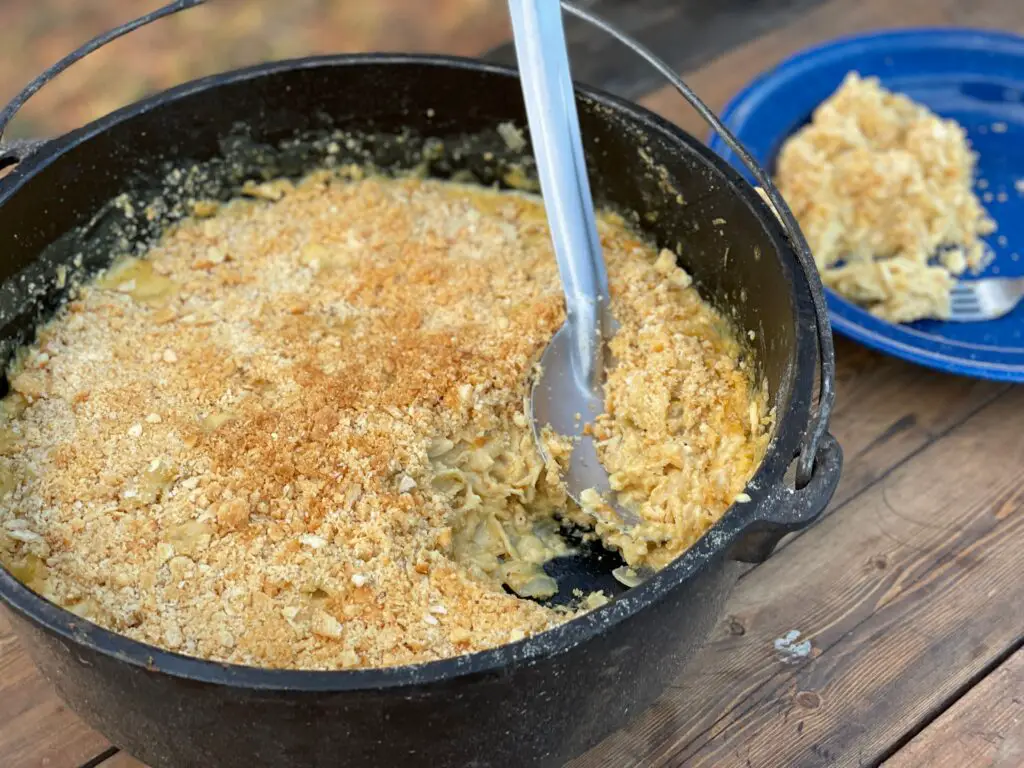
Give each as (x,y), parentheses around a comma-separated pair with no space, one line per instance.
(112,757)
(983,729)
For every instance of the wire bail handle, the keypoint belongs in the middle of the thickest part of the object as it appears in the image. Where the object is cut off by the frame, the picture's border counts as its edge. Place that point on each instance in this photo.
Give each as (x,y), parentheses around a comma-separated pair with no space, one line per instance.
(14,152)
(19,150)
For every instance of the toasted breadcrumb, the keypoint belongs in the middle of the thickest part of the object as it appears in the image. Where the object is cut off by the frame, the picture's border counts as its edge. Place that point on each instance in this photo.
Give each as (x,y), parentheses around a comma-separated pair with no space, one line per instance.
(293,435)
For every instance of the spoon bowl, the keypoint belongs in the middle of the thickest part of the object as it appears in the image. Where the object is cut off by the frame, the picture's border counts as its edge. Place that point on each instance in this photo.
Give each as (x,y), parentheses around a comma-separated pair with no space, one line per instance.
(568,392)
(561,401)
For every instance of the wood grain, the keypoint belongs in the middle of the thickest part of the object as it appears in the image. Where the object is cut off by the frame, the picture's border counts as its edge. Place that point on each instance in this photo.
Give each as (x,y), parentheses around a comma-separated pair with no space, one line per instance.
(887,410)
(717,81)
(879,427)
(120,760)
(904,596)
(35,728)
(984,729)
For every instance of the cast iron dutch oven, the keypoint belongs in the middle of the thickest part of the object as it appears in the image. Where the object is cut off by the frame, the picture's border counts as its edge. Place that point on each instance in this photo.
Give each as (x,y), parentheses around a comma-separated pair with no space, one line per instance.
(540,701)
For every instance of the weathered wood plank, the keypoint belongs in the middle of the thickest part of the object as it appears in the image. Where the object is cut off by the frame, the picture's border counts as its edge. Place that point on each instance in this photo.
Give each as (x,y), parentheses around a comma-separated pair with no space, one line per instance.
(899,600)
(686,33)
(718,80)
(887,409)
(880,427)
(121,760)
(984,729)
(35,727)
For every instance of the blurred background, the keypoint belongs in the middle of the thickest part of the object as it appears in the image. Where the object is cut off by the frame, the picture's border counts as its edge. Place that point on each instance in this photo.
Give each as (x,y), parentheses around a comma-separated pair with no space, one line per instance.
(221,35)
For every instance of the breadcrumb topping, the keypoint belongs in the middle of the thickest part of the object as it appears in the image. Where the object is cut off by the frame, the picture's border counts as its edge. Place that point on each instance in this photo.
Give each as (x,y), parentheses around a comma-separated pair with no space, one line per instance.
(293,435)
(682,431)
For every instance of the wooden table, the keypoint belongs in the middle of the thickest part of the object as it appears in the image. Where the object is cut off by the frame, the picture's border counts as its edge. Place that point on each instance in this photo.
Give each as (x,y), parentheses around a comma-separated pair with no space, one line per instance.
(892,631)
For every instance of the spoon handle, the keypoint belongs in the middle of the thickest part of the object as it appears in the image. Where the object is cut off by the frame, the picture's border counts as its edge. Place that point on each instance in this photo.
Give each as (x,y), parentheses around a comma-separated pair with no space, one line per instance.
(558,148)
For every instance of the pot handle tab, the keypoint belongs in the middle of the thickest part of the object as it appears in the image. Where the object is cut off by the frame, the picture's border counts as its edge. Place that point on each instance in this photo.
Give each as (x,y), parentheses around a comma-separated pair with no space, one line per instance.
(791,509)
(817,435)
(14,152)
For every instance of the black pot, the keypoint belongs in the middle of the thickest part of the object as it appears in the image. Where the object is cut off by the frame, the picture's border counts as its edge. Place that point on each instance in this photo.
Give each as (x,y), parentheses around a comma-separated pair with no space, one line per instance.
(536,702)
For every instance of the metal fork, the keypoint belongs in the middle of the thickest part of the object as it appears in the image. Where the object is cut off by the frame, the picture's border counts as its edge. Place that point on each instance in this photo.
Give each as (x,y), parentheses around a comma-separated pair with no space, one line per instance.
(979,300)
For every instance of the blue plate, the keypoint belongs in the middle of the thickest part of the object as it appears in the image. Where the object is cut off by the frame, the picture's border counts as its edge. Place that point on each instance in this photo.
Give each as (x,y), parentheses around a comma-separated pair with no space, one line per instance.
(974,77)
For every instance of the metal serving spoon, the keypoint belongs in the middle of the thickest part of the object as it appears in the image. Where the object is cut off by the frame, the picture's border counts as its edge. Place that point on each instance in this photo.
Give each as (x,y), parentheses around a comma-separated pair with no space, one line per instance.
(568,391)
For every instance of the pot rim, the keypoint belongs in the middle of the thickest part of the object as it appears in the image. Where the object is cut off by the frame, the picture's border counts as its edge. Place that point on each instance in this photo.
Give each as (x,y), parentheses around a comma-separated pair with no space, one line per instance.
(765,487)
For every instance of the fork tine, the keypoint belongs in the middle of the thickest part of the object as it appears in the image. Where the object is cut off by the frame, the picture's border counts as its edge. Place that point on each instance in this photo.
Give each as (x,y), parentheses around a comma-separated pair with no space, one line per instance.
(965,298)
(965,301)
(962,295)
(965,304)
(985,299)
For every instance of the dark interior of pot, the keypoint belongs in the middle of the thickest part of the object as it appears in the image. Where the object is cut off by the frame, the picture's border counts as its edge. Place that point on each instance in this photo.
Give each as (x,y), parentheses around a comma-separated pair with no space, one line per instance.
(60,215)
